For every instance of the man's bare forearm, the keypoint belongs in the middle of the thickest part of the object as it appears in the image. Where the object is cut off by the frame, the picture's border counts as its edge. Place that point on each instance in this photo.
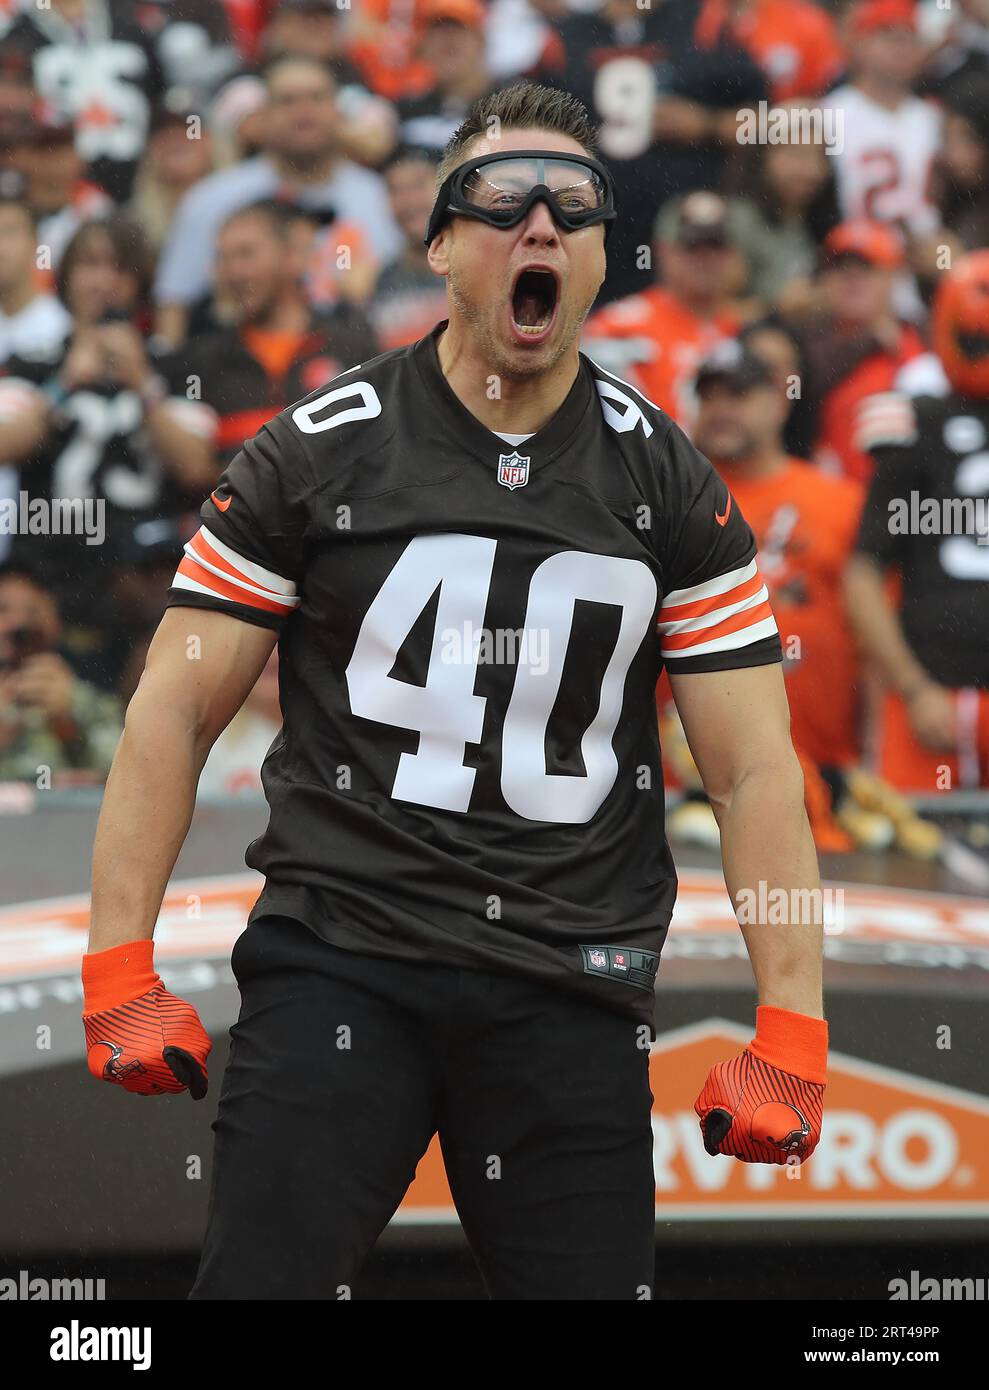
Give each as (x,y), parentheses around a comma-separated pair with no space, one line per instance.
(201,667)
(766,840)
(147,809)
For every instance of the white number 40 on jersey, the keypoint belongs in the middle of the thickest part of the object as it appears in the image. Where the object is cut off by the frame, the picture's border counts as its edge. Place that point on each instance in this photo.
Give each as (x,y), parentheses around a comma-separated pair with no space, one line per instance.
(445,711)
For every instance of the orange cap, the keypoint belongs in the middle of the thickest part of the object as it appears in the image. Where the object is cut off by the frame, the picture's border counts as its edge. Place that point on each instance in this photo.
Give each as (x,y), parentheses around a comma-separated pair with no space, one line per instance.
(872,242)
(470,13)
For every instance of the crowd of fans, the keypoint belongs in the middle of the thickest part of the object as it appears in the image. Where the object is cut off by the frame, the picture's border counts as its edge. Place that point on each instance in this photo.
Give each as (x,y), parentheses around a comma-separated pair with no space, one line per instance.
(208,208)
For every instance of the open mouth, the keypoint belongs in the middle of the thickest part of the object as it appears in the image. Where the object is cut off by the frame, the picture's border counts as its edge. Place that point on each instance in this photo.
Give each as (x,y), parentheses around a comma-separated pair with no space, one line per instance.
(534,300)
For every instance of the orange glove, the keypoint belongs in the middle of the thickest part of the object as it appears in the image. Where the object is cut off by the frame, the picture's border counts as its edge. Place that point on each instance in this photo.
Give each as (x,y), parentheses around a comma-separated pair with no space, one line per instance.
(766,1104)
(137,1034)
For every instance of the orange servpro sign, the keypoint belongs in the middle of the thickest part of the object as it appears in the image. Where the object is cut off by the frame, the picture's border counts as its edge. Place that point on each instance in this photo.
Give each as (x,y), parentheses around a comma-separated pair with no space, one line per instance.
(893,1145)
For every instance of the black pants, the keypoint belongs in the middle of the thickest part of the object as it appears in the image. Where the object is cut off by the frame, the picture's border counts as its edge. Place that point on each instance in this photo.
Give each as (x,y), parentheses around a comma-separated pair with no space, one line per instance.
(342,1068)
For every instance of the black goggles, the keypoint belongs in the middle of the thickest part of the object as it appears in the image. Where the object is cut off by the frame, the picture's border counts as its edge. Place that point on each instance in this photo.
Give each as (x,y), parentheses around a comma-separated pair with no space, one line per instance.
(501,188)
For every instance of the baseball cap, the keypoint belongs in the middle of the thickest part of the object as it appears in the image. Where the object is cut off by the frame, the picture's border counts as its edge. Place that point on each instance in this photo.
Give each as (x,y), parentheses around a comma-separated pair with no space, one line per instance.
(697,219)
(734,365)
(873,243)
(469,13)
(874,15)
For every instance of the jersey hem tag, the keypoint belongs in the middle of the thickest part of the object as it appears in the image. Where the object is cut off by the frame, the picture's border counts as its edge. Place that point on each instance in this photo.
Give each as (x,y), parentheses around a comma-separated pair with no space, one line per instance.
(631,966)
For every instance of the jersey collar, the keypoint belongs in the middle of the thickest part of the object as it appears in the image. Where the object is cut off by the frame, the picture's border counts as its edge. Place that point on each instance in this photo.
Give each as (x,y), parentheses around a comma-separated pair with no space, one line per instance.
(470,434)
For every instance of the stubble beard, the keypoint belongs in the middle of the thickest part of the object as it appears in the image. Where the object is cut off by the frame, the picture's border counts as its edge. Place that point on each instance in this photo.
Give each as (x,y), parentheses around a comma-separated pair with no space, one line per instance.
(745,447)
(522,364)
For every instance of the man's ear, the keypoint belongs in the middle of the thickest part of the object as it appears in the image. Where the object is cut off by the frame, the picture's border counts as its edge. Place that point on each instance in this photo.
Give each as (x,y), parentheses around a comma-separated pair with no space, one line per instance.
(438,255)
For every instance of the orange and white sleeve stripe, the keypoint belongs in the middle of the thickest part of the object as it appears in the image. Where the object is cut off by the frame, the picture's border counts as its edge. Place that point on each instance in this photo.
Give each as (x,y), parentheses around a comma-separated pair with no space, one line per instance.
(886,418)
(719,615)
(213,569)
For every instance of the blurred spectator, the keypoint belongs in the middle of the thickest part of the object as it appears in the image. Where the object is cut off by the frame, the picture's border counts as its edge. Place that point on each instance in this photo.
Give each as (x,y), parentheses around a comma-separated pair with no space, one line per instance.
(94,65)
(776,223)
(193,42)
(277,351)
(50,720)
(18,98)
(93,429)
(961,175)
(233,767)
(338,264)
(247,19)
(855,344)
(666,111)
(33,323)
(179,154)
(237,119)
(778,344)
(656,339)
(452,43)
(409,299)
(932,647)
(805,525)
(311,29)
(793,41)
(517,33)
(55,183)
(317,29)
(382,42)
(302,163)
(889,137)
(962,56)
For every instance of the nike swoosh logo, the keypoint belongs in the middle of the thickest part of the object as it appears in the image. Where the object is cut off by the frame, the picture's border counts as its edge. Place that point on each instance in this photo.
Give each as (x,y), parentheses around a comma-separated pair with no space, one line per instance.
(722,517)
(224,502)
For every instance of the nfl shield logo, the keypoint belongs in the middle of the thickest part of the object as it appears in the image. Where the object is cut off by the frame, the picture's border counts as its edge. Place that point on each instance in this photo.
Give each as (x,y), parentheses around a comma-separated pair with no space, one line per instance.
(513,470)
(598,958)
